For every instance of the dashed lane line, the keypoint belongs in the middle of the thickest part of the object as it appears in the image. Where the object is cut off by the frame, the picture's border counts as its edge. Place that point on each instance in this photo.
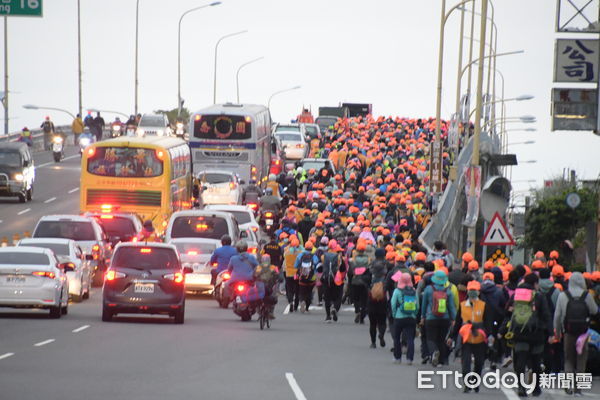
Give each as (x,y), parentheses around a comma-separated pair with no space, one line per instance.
(6,355)
(50,200)
(24,211)
(295,387)
(81,328)
(286,310)
(45,342)
(53,163)
(73,190)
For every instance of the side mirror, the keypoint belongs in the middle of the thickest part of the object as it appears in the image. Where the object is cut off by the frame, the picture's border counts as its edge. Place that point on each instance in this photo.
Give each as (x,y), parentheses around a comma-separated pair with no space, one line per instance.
(89,257)
(67,267)
(188,270)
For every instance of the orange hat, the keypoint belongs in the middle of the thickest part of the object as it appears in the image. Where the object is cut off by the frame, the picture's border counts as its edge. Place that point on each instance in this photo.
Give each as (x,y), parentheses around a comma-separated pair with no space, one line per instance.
(308,245)
(554,254)
(508,267)
(587,275)
(505,276)
(420,256)
(558,270)
(467,257)
(361,246)
(442,268)
(539,254)
(537,264)
(527,269)
(473,285)
(473,265)
(400,258)
(417,278)
(294,242)
(488,276)
(489,264)
(502,261)
(390,255)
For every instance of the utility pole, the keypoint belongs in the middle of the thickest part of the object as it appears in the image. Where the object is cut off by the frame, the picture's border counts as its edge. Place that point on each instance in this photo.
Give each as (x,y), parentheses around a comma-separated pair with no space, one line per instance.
(80,108)
(5,100)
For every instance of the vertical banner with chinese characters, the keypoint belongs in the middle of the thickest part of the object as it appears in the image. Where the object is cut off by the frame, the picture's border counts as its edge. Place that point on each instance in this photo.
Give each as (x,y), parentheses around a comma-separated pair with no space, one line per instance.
(436,179)
(472,172)
(576,60)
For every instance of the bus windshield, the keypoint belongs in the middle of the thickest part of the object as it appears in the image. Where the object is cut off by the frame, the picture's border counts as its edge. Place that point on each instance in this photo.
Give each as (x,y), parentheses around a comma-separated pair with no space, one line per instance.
(125,162)
(222,127)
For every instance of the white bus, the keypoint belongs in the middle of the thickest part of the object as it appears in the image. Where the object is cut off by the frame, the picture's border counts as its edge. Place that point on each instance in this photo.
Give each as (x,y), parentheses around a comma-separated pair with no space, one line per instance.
(232,137)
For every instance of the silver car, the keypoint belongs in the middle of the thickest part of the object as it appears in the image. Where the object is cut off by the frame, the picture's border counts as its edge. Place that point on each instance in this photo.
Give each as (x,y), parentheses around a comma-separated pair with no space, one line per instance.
(67,251)
(32,277)
(195,253)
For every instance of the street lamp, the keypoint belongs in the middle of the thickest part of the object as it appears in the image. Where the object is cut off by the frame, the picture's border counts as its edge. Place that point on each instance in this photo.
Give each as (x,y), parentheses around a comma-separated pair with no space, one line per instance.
(279,92)
(237,76)
(34,107)
(216,49)
(137,18)
(216,3)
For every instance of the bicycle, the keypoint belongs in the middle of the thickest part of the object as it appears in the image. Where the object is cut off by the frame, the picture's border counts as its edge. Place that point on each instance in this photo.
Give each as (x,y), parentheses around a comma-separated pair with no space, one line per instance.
(263,315)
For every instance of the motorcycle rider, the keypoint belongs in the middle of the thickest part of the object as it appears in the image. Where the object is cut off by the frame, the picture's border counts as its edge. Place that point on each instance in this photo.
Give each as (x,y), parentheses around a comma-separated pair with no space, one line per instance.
(117,123)
(221,257)
(48,128)
(26,137)
(269,275)
(148,233)
(274,185)
(242,265)
(251,188)
(270,202)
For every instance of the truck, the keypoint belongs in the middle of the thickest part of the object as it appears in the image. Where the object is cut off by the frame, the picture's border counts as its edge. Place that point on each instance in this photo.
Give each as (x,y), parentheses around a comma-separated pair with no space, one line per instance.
(340,112)
(358,109)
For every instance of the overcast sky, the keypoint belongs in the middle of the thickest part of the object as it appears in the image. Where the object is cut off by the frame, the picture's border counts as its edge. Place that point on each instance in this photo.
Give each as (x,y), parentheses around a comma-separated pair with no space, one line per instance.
(382,52)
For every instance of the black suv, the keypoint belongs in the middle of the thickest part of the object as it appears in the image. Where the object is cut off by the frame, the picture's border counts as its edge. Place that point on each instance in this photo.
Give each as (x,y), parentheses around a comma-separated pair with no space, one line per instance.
(145,278)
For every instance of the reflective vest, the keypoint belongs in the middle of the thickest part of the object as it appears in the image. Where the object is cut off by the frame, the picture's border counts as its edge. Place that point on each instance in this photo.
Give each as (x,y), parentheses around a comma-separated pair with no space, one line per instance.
(275,186)
(26,133)
(289,260)
(472,311)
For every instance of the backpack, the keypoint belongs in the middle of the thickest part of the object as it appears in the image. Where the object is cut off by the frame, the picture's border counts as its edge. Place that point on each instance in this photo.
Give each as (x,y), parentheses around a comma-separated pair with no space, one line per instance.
(377,292)
(360,261)
(409,302)
(523,312)
(330,267)
(305,270)
(577,319)
(439,307)
(549,301)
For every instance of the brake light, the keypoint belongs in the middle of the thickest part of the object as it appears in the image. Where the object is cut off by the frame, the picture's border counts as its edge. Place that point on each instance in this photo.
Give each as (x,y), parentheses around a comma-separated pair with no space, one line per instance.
(145,250)
(300,145)
(160,154)
(106,207)
(248,119)
(253,206)
(70,265)
(96,248)
(215,264)
(177,277)
(192,253)
(44,274)
(240,288)
(135,239)
(198,117)
(253,169)
(201,227)
(226,276)
(254,229)
(268,214)
(106,217)
(91,151)
(231,185)
(111,275)
(277,162)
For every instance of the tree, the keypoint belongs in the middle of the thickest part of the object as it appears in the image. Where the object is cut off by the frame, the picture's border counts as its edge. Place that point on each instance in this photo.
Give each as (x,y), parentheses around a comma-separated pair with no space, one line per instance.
(172,114)
(551,221)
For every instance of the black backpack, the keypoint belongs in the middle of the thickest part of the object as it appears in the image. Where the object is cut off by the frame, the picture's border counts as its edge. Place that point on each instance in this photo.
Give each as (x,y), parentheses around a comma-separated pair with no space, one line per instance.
(577,319)
(330,267)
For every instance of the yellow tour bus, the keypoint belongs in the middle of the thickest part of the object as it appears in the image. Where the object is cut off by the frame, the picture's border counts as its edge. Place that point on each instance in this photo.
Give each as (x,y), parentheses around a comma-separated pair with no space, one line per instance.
(149,176)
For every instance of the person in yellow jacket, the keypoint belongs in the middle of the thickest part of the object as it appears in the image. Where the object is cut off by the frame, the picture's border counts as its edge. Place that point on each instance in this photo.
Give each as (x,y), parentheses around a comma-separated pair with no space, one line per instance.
(291,283)
(274,185)
(77,128)
(472,326)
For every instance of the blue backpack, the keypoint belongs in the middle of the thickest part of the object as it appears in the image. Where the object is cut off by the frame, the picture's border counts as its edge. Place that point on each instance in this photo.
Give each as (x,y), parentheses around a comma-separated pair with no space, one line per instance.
(408,303)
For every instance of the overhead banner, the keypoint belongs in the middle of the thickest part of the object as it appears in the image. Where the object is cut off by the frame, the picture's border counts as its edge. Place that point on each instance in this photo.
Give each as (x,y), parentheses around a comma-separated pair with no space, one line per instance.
(576,60)
(436,165)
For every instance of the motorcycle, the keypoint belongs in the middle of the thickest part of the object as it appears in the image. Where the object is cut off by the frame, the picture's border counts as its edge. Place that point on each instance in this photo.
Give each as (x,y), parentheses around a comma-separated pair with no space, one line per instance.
(115,130)
(84,141)
(58,148)
(180,131)
(130,130)
(220,292)
(247,296)
(269,221)
(252,200)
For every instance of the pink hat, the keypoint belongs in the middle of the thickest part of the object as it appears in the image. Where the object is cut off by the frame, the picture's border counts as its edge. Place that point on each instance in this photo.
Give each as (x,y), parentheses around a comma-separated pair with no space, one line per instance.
(405,281)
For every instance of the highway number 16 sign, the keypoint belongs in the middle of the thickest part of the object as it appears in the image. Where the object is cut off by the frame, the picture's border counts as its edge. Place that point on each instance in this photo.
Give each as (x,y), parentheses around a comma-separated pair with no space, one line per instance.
(24,8)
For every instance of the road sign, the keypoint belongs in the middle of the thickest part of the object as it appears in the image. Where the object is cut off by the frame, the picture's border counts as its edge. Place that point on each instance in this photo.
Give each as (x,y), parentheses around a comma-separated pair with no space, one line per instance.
(574,109)
(497,233)
(23,8)
(577,16)
(576,60)
(436,179)
(573,200)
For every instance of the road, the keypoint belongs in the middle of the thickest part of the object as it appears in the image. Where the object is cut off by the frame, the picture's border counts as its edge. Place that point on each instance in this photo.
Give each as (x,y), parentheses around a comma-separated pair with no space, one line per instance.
(56,190)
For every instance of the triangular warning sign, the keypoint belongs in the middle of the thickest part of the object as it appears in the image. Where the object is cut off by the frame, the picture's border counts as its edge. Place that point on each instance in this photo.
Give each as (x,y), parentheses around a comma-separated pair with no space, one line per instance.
(497,233)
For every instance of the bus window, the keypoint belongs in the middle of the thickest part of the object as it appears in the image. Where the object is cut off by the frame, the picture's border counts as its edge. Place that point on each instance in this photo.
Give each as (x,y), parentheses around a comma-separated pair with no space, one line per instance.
(125,162)
(223,127)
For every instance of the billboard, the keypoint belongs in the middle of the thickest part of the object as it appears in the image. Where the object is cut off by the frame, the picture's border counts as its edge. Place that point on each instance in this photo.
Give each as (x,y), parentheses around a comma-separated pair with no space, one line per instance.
(574,109)
(576,60)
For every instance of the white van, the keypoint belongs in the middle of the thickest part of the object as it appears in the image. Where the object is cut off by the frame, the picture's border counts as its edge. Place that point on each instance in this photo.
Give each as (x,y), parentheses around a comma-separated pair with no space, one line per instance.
(207,224)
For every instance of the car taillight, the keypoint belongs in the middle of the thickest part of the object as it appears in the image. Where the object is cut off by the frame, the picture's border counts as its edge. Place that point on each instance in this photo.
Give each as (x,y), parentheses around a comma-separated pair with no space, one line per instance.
(111,275)
(106,217)
(177,277)
(134,239)
(215,264)
(277,162)
(240,288)
(192,253)
(299,145)
(106,207)
(226,276)
(44,274)
(254,229)
(231,185)
(96,248)
(70,265)
(145,250)
(268,214)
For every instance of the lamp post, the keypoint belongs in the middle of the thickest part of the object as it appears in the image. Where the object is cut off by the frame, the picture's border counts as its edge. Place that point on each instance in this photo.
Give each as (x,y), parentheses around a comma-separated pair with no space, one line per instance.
(80,107)
(216,3)
(34,107)
(237,76)
(137,15)
(279,92)
(216,49)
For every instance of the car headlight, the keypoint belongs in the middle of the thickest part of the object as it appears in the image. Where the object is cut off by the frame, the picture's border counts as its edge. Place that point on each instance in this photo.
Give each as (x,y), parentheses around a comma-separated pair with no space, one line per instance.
(19,177)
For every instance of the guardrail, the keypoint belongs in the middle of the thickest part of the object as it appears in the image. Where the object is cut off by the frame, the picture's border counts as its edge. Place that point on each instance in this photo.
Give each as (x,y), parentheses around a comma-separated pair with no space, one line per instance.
(38,136)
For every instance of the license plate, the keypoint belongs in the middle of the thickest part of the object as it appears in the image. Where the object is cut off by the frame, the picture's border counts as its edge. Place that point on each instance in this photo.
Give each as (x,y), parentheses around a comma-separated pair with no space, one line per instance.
(143,288)
(56,147)
(269,222)
(18,280)
(238,299)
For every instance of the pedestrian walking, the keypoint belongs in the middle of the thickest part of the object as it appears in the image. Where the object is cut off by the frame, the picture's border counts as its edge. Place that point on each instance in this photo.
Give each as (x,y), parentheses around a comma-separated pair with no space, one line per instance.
(77,128)
(332,267)
(291,282)
(48,130)
(405,309)
(359,281)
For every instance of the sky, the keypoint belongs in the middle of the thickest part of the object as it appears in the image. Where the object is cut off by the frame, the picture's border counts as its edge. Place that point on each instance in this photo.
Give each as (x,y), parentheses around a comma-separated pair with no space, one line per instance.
(382,52)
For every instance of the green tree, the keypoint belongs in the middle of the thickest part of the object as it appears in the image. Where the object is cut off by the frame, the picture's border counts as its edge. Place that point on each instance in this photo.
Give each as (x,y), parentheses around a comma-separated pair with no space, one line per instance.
(551,221)
(172,114)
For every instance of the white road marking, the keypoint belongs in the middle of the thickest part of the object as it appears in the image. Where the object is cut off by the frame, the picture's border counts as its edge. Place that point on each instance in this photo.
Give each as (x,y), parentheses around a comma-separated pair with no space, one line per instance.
(286,310)
(24,211)
(73,190)
(510,394)
(347,309)
(294,385)
(50,200)
(44,342)
(3,356)
(53,163)
(81,328)
(315,308)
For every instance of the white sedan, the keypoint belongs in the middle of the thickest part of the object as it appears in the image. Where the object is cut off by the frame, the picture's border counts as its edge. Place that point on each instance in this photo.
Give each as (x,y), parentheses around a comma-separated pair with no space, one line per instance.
(195,253)
(219,187)
(243,215)
(292,144)
(32,277)
(67,251)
